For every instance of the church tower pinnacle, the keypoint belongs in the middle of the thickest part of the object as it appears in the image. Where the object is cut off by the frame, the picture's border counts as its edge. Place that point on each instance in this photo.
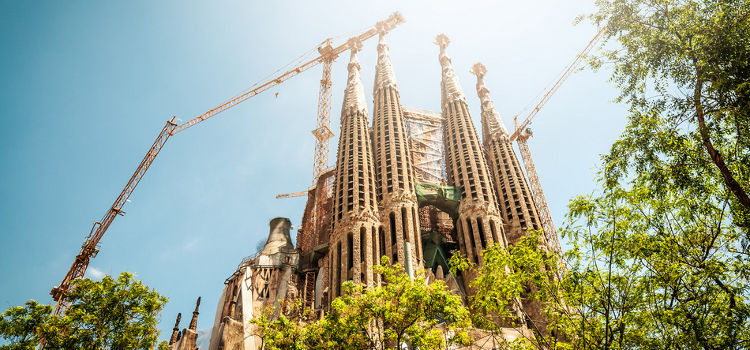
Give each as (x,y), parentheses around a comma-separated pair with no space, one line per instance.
(516,206)
(478,222)
(399,238)
(355,220)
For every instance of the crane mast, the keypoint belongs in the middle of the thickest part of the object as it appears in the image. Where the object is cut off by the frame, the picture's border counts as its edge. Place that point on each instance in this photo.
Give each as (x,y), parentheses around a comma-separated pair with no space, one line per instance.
(522,134)
(328,54)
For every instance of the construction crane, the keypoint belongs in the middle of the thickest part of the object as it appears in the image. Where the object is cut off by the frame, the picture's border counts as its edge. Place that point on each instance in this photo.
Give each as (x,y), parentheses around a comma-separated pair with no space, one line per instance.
(322,131)
(327,54)
(523,132)
(291,195)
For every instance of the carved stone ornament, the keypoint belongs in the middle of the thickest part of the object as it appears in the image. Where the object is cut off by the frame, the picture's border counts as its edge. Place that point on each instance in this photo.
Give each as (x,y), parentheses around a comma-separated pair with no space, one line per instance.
(384,76)
(398,196)
(474,207)
(492,125)
(450,88)
(354,95)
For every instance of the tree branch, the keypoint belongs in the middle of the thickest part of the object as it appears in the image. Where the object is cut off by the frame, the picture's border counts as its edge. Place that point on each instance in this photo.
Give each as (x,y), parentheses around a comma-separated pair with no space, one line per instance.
(729,181)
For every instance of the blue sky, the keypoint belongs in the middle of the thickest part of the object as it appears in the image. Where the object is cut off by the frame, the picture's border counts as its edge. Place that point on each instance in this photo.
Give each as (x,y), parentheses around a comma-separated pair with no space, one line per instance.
(86,87)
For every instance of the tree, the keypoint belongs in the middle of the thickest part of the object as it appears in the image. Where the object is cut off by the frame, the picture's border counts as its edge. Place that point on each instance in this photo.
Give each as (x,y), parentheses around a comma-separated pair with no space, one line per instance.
(524,272)
(284,328)
(400,311)
(105,314)
(684,69)
(660,254)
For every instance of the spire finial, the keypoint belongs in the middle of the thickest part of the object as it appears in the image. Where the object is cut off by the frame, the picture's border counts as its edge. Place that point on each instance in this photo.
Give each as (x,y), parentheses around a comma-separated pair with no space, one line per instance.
(442,41)
(450,88)
(194,320)
(354,95)
(384,75)
(175,330)
(385,26)
(480,71)
(491,124)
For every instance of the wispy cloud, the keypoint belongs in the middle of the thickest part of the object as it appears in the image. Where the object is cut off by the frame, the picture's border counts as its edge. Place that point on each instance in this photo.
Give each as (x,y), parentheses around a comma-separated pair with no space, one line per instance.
(95,273)
(190,243)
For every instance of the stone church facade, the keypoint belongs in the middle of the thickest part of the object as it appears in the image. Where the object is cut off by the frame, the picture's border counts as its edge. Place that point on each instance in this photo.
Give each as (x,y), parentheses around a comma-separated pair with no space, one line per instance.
(409,184)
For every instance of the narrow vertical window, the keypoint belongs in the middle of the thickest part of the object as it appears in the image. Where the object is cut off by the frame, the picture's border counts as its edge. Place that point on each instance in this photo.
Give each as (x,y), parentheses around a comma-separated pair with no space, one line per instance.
(392,225)
(381,239)
(374,238)
(349,254)
(481,234)
(337,270)
(473,248)
(417,233)
(362,244)
(494,231)
(405,224)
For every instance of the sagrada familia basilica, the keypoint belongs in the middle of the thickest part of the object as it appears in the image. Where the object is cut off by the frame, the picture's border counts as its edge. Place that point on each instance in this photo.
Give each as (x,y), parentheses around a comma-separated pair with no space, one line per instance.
(409,184)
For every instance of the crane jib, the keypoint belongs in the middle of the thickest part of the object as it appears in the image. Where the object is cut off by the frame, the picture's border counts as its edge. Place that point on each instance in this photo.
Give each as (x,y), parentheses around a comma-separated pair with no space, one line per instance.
(90,247)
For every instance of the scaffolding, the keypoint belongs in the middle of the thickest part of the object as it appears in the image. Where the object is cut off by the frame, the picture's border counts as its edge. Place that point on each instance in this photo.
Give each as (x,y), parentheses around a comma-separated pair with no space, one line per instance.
(425,130)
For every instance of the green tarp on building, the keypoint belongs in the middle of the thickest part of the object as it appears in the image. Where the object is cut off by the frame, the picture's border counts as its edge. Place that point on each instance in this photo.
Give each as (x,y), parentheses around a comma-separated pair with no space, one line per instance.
(443,197)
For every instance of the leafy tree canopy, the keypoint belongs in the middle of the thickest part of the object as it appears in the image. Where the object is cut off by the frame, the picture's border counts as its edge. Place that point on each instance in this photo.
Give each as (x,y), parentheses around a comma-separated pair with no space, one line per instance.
(683,67)
(660,252)
(105,314)
(401,311)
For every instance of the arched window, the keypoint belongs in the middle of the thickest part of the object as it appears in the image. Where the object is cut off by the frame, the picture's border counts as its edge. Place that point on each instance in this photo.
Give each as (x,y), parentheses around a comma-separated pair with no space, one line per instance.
(473,241)
(481,233)
(349,254)
(392,217)
(381,239)
(337,270)
(404,224)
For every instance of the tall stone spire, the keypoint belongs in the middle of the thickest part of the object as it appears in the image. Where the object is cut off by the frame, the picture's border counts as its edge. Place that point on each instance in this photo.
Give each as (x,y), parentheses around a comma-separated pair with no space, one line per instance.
(175,330)
(354,95)
(492,125)
(394,174)
(355,220)
(450,88)
(478,221)
(516,205)
(194,320)
(384,76)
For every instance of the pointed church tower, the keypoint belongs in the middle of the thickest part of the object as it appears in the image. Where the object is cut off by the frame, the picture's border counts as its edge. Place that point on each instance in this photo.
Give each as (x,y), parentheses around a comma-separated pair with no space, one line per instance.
(516,206)
(194,320)
(399,237)
(355,221)
(478,221)
(175,330)
(186,340)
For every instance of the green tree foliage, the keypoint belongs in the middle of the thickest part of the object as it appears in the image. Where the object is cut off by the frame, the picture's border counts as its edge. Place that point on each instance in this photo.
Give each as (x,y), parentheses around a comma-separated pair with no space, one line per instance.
(660,256)
(504,278)
(401,311)
(683,67)
(105,314)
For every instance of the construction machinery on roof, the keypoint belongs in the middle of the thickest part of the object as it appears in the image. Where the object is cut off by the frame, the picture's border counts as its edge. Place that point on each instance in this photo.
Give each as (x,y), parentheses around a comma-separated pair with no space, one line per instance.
(322,133)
